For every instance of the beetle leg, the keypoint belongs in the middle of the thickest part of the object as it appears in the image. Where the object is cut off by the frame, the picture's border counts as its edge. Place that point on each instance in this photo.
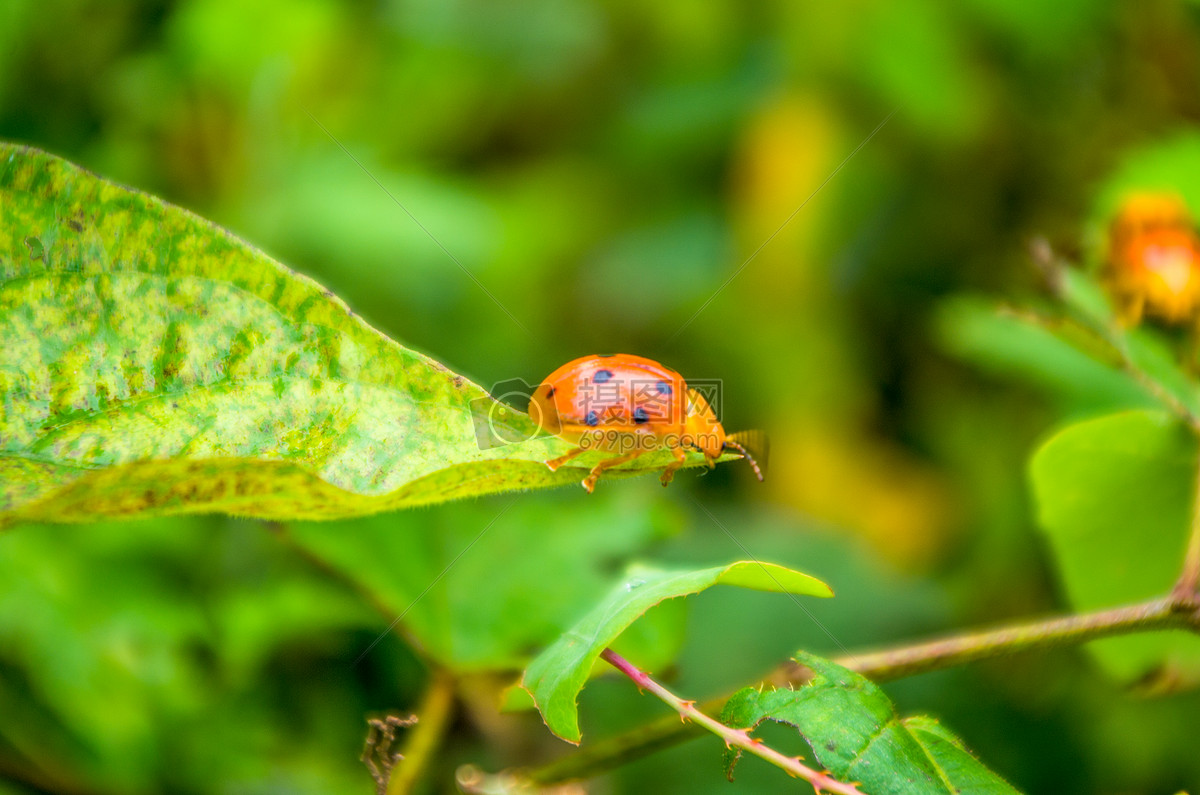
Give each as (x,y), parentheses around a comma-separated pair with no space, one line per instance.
(669,472)
(589,482)
(555,463)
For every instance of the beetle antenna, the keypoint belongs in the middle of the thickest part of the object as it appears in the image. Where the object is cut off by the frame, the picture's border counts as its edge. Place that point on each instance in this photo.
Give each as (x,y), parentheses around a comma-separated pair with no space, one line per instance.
(746,455)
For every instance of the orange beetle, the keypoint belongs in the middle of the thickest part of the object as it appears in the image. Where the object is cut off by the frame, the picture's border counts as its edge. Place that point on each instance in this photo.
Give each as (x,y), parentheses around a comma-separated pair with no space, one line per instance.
(628,405)
(1154,259)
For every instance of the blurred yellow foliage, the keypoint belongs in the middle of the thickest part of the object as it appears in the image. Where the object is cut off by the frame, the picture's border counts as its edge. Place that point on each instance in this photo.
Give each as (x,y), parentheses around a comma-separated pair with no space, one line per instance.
(876,489)
(824,462)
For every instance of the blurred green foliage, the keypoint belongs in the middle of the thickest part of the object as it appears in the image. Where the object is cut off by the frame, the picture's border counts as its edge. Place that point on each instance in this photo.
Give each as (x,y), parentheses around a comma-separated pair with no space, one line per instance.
(602,168)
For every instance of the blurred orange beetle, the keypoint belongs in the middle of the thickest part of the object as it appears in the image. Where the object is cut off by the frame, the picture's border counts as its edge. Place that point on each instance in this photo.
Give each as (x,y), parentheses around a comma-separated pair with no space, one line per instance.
(1154,259)
(628,405)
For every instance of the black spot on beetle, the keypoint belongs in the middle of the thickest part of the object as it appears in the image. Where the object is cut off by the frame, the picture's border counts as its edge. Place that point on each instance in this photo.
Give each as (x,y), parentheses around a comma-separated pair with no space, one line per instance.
(602,376)
(663,388)
(550,392)
(640,416)
(592,418)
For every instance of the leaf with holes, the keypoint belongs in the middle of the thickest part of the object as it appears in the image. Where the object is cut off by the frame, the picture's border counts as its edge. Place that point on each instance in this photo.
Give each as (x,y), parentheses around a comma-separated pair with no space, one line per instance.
(558,674)
(854,732)
(152,363)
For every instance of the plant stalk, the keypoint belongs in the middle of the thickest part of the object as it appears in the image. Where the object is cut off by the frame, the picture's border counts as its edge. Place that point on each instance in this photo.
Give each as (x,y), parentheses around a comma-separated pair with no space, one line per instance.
(897,663)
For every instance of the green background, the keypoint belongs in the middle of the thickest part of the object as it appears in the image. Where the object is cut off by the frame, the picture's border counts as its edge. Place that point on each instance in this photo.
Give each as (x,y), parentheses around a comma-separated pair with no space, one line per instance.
(603,169)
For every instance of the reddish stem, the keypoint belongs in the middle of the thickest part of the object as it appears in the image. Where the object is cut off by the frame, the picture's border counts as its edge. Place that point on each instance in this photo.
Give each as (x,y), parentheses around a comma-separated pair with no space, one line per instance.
(737,738)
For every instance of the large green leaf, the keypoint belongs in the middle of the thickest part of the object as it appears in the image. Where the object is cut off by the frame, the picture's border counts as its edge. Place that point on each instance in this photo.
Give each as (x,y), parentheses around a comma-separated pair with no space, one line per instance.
(1115,498)
(854,731)
(153,363)
(556,676)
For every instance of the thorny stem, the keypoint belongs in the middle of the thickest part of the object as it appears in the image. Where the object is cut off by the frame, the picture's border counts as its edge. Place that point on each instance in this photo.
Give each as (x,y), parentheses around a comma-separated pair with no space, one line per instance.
(1173,612)
(424,738)
(737,738)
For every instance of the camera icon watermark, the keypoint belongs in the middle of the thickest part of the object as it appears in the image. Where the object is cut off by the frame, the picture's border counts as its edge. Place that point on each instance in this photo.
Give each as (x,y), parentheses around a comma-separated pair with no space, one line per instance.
(500,419)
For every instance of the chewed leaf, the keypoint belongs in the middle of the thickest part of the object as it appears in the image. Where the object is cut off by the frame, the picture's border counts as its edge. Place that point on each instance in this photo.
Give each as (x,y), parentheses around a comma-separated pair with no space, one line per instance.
(854,731)
(153,363)
(558,674)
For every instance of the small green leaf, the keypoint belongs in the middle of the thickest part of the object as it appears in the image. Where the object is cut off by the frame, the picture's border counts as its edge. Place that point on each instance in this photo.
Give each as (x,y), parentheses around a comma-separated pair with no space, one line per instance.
(853,730)
(1085,297)
(1009,344)
(556,676)
(1079,359)
(1115,499)
(151,363)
